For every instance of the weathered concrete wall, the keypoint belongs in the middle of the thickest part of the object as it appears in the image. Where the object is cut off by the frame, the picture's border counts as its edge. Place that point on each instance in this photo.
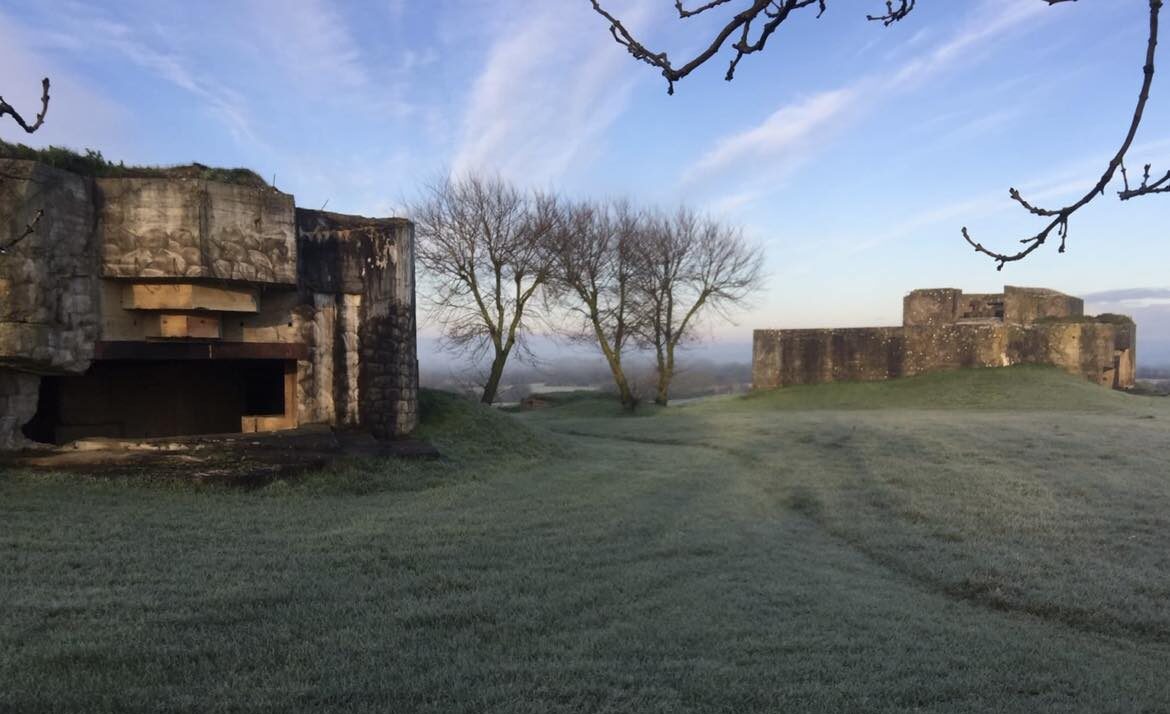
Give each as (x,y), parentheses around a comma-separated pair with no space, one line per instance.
(190,228)
(18,404)
(931,306)
(787,357)
(944,328)
(980,306)
(49,281)
(1026,305)
(372,260)
(1102,352)
(71,290)
(954,346)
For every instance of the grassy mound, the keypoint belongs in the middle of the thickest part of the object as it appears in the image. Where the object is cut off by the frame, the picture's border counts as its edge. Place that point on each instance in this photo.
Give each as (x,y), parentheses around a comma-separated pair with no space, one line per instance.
(476,442)
(587,404)
(466,430)
(92,163)
(1020,388)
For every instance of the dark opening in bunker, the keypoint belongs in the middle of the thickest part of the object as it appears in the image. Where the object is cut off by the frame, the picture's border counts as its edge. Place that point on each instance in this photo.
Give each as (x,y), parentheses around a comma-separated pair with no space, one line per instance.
(134,399)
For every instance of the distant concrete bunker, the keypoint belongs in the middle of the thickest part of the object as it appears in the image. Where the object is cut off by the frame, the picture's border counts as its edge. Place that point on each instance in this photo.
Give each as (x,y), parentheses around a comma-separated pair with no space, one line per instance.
(945,329)
(168,306)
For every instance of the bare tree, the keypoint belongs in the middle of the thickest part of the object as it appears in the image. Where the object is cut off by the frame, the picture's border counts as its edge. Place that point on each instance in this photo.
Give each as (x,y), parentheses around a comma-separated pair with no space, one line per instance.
(688,265)
(594,254)
(484,244)
(7,109)
(754,23)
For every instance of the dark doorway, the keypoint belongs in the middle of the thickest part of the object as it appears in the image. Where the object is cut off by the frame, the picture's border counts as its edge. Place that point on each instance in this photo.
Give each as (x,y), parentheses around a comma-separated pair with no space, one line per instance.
(133,399)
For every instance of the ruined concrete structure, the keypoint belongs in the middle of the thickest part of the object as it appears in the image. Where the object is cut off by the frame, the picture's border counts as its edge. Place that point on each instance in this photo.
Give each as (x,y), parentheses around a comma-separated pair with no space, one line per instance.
(165,306)
(947,329)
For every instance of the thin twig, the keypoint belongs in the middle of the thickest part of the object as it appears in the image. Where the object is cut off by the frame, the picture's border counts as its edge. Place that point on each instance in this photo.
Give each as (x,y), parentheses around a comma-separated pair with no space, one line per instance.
(29,229)
(893,14)
(773,12)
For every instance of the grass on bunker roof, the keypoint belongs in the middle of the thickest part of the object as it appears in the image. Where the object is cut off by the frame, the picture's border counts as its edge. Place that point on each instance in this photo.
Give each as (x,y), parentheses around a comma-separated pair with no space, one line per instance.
(974,541)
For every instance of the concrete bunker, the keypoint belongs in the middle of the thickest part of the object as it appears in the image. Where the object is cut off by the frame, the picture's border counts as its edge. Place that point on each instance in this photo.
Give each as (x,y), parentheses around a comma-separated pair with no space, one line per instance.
(173,305)
(944,328)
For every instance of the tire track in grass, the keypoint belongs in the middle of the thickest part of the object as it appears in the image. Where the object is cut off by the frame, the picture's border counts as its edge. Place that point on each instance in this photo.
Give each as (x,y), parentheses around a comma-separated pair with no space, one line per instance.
(803,503)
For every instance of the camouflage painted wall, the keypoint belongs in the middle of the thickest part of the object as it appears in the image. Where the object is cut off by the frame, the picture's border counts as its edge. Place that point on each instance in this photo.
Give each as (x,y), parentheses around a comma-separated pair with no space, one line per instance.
(191,228)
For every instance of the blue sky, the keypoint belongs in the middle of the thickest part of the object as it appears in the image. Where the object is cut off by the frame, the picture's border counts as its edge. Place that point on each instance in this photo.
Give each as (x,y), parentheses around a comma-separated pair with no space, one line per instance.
(853,153)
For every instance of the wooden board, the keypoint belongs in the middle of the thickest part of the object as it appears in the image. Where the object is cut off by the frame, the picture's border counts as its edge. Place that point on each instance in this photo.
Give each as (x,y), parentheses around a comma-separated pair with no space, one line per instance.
(189,296)
(262,423)
(204,327)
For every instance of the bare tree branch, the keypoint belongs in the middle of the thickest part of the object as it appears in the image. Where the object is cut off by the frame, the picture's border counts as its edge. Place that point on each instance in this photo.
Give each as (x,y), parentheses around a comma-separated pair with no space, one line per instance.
(753,26)
(29,229)
(6,108)
(1060,216)
(1161,185)
(893,14)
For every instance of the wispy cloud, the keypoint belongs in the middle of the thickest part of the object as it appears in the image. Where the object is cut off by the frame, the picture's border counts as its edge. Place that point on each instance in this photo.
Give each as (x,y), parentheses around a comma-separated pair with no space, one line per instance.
(547,92)
(988,23)
(313,43)
(1131,297)
(85,29)
(833,252)
(788,134)
(794,133)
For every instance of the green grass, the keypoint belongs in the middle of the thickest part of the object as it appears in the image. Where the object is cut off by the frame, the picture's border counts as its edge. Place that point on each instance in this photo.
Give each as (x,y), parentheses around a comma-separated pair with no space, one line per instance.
(92,163)
(991,540)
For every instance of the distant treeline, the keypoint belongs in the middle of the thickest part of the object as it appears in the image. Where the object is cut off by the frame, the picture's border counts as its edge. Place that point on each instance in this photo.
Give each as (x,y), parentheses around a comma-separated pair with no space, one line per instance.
(694,378)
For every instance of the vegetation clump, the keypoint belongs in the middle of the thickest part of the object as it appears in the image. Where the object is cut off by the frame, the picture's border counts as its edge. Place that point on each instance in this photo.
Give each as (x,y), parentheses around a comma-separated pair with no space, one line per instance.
(1105,317)
(92,163)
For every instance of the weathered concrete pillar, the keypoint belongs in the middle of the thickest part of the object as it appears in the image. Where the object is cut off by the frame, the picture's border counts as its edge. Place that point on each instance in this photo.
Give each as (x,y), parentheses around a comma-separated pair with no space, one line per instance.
(18,404)
(369,264)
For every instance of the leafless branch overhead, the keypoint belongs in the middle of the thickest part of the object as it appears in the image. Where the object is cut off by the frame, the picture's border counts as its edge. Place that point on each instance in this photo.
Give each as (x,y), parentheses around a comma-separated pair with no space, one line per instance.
(893,14)
(1058,224)
(748,31)
(1161,185)
(6,108)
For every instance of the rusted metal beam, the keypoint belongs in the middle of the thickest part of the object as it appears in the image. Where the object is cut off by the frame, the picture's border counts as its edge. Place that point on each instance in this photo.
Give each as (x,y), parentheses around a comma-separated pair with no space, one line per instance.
(197,350)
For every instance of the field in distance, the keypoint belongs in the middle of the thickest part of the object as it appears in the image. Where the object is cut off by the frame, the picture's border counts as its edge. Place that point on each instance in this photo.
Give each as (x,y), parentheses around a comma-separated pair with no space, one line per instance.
(990,540)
